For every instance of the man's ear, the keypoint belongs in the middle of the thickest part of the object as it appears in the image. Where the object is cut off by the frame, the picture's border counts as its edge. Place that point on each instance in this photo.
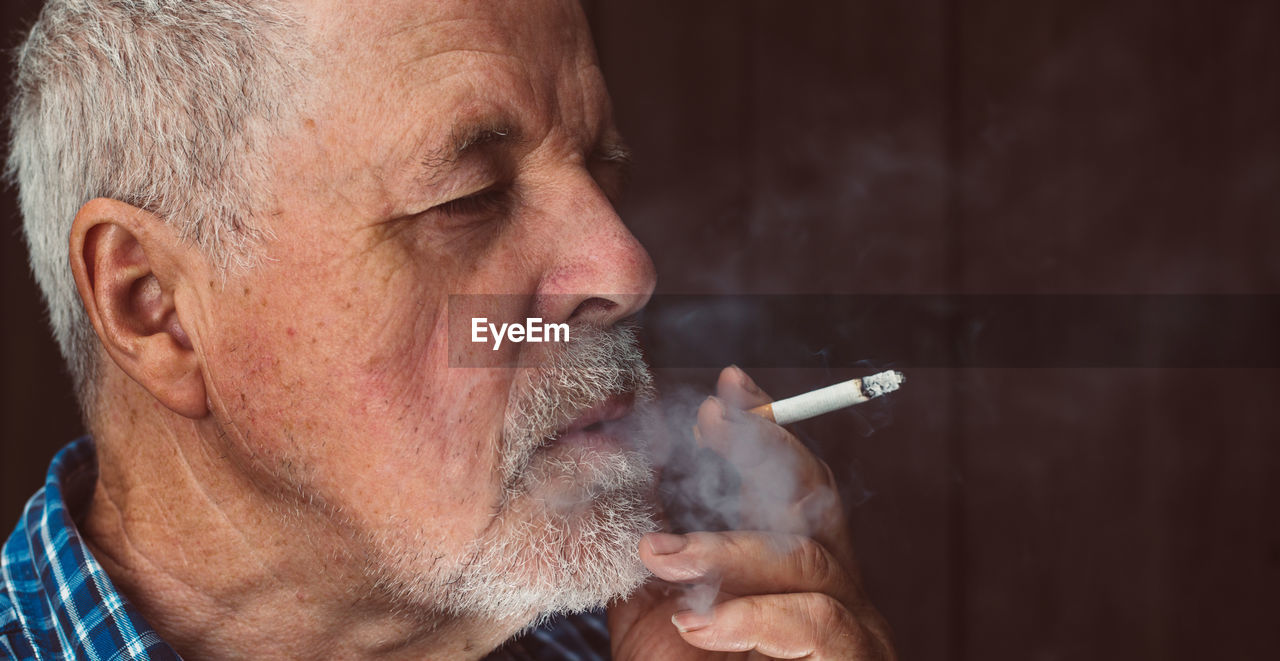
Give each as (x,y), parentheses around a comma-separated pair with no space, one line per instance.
(128,266)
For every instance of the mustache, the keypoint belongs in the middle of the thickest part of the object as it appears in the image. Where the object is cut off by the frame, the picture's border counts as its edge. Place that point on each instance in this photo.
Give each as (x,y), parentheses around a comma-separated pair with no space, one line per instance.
(596,364)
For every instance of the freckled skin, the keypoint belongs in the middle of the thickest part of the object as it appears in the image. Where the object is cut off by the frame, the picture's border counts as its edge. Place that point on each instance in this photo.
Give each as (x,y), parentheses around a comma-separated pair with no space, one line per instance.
(333,413)
(370,308)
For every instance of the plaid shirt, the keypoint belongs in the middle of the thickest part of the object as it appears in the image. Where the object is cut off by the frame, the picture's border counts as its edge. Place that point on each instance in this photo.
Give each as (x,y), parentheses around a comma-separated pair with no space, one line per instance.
(57,603)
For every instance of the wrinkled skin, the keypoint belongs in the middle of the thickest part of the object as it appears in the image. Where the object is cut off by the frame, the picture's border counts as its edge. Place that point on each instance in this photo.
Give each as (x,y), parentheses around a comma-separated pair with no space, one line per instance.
(297,424)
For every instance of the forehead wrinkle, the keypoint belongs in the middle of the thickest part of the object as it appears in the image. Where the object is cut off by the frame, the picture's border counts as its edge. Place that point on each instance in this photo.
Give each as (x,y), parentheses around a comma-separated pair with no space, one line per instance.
(497,72)
(580,94)
(474,36)
(446,24)
(496,99)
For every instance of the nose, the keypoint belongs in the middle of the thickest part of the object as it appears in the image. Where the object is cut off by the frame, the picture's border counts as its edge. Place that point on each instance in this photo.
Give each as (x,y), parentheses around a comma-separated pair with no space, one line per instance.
(598,273)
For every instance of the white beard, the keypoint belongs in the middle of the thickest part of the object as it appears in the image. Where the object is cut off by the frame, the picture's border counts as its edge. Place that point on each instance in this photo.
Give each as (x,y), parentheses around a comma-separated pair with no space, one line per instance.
(560,554)
(566,533)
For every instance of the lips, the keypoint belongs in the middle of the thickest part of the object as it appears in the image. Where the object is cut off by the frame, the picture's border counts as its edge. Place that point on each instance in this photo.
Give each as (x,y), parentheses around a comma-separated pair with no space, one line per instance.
(613,408)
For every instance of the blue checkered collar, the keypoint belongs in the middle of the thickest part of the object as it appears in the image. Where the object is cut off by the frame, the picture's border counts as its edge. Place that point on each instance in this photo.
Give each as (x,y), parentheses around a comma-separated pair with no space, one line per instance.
(56,602)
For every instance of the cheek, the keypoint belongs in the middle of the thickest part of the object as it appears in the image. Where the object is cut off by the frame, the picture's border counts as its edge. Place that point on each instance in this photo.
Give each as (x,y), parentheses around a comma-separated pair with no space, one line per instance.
(354,398)
(266,372)
(430,432)
(448,419)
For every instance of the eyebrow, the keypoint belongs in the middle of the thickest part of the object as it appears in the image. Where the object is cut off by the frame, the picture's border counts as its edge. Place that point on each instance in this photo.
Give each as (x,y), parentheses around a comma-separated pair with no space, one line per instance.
(463,139)
(470,137)
(614,152)
(474,136)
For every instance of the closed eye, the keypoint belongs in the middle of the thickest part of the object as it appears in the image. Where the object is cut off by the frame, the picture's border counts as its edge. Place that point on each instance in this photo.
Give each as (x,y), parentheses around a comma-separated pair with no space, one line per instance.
(488,201)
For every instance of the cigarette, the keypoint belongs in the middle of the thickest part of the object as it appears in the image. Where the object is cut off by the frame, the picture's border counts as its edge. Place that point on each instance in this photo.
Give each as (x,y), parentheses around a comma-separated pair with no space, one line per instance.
(830,398)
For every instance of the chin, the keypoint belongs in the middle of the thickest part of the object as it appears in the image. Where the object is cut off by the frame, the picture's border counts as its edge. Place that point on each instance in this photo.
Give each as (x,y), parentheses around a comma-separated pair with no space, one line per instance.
(569,542)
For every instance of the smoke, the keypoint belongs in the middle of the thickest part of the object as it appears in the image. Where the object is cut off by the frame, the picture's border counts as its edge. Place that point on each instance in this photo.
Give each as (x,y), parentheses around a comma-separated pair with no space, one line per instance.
(721,468)
(737,472)
(566,534)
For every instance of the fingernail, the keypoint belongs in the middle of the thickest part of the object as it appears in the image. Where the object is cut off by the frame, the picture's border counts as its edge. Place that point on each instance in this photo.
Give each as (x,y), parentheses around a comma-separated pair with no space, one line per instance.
(687,621)
(746,382)
(663,543)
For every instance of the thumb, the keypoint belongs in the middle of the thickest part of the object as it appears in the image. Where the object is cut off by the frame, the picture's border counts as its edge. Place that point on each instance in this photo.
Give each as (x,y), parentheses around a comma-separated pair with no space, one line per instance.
(739,390)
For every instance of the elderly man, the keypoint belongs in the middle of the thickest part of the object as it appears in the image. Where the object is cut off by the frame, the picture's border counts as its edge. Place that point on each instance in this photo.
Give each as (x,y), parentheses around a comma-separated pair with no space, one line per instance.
(248,220)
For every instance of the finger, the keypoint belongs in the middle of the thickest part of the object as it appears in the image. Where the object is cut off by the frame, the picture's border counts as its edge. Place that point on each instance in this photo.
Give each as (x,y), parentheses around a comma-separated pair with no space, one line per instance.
(782,626)
(746,563)
(785,487)
(767,455)
(739,390)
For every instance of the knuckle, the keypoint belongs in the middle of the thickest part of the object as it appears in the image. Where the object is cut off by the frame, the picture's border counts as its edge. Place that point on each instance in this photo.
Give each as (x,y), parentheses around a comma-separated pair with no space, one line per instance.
(826,616)
(811,559)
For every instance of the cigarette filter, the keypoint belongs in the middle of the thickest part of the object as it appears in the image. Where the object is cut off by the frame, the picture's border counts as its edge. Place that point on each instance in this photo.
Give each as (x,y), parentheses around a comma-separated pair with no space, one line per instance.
(830,398)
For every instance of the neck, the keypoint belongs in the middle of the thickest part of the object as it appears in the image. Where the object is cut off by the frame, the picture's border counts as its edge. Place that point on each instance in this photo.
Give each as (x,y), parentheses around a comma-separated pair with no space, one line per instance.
(221,568)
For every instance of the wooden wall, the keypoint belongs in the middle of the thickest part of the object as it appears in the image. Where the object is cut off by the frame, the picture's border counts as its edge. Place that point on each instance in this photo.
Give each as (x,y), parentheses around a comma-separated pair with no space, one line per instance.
(988,146)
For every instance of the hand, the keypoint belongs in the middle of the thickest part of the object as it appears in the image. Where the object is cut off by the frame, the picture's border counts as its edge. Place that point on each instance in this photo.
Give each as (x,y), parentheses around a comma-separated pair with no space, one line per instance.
(788,588)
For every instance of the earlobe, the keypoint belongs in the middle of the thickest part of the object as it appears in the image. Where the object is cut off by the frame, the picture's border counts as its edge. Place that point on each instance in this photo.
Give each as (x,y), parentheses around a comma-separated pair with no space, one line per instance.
(128,267)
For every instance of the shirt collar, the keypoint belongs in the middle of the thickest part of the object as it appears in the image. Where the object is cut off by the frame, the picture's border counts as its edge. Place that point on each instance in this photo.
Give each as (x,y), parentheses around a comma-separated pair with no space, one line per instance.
(66,605)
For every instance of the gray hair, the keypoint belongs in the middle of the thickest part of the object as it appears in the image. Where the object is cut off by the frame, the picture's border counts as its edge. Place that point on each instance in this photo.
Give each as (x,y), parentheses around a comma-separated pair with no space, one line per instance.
(163,104)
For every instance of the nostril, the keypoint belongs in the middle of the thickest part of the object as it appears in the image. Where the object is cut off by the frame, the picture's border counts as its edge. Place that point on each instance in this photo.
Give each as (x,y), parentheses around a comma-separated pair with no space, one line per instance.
(593,306)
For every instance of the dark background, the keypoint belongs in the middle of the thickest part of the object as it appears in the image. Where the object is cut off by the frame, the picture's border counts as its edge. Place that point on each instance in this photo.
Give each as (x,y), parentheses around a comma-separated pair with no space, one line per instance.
(967,146)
